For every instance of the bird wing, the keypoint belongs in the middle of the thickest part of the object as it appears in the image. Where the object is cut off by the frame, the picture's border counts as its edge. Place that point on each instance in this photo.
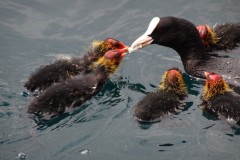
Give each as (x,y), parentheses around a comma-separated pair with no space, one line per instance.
(228,35)
(45,76)
(226,105)
(70,93)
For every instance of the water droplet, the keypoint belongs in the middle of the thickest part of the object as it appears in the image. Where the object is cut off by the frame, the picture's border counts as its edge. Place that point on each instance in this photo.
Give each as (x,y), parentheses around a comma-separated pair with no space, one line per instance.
(85,151)
(21,156)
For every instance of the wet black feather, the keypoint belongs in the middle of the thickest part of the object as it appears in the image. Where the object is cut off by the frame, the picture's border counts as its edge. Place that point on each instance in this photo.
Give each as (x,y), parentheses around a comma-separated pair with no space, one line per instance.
(68,94)
(228,36)
(62,69)
(156,104)
(226,105)
(182,36)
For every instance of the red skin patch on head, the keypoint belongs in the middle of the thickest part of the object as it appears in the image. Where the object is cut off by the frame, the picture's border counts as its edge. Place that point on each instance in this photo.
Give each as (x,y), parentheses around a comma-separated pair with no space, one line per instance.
(213,76)
(117,44)
(203,31)
(172,73)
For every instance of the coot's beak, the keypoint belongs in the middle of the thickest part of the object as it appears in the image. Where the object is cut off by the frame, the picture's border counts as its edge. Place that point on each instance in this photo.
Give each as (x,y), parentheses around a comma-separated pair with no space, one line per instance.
(206,74)
(140,43)
(145,39)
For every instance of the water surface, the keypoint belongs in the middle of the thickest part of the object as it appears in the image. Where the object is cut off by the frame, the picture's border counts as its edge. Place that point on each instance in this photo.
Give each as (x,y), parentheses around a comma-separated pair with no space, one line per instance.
(35,32)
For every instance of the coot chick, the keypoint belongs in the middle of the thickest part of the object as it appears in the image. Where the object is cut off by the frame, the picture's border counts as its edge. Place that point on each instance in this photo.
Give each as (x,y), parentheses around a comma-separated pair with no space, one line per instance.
(182,36)
(218,99)
(73,92)
(167,99)
(65,68)
(220,37)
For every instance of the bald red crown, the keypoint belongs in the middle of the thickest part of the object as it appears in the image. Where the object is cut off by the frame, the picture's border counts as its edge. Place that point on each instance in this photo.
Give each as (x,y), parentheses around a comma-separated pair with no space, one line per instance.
(213,76)
(115,43)
(203,31)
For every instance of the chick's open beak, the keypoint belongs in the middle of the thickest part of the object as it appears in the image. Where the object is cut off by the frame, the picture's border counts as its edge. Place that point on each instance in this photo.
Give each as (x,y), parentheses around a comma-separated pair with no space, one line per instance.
(122,46)
(206,74)
(123,51)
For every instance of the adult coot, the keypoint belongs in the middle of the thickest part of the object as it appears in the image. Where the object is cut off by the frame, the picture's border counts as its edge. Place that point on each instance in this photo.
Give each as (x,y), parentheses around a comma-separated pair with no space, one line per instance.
(182,36)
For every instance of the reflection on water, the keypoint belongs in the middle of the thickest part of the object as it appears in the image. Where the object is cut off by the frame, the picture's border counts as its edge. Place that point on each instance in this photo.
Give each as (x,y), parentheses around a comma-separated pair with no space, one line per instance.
(33,33)
(108,97)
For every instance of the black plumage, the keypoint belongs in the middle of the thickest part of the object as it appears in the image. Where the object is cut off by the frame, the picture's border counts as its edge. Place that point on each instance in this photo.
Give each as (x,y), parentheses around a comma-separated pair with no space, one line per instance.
(67,94)
(182,36)
(218,99)
(167,99)
(72,92)
(62,69)
(221,36)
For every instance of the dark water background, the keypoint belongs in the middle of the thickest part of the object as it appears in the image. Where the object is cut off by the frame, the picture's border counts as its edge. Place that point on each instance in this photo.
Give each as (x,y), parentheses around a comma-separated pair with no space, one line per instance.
(35,32)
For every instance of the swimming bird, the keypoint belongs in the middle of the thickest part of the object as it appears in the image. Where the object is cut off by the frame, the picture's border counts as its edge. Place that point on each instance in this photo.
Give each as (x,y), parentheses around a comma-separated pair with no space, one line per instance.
(218,99)
(62,69)
(166,99)
(182,36)
(73,92)
(220,36)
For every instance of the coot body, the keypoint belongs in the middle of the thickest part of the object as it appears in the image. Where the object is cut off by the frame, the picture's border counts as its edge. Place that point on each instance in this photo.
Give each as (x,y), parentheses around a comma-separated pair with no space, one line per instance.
(182,36)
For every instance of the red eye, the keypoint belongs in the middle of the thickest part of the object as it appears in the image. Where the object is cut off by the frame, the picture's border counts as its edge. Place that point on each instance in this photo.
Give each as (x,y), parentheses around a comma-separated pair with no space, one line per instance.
(120,45)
